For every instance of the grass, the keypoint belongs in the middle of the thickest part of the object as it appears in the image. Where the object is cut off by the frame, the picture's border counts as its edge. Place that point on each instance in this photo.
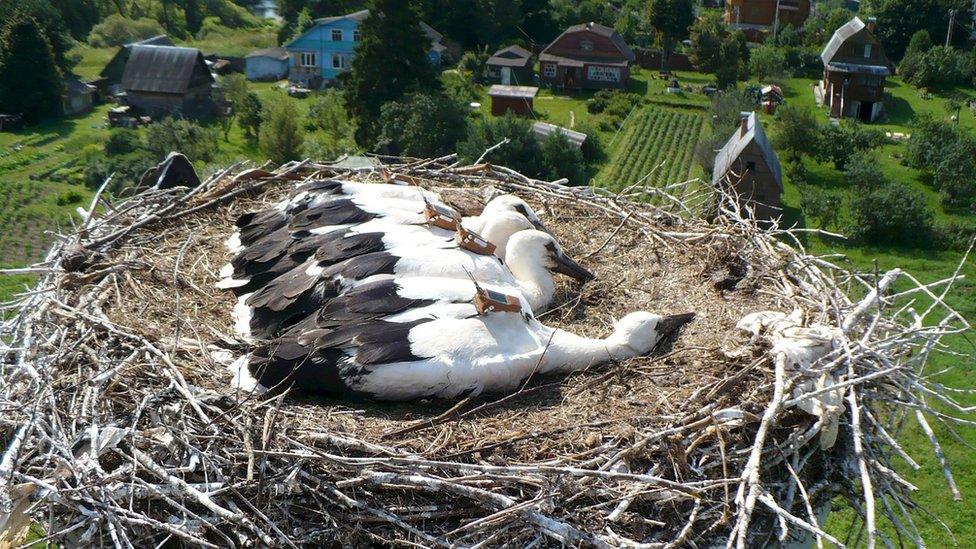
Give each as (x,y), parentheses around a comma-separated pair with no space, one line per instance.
(657,148)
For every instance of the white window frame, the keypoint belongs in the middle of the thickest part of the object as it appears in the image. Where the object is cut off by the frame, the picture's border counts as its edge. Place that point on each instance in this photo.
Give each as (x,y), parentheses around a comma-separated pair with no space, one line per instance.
(549,70)
(309,59)
(867,51)
(334,31)
(599,73)
(343,63)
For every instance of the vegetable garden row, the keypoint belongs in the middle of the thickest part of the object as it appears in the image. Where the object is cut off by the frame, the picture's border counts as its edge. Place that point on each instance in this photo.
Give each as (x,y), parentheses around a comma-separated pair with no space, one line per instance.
(657,148)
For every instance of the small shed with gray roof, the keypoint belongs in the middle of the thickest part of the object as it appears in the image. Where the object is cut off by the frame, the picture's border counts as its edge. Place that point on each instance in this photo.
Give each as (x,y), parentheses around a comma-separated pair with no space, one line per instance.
(168,80)
(855,68)
(748,165)
(269,64)
(511,65)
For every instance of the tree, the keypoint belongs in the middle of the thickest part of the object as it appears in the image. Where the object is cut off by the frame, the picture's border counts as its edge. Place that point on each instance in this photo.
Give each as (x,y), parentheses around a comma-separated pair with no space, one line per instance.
(281,135)
(671,19)
(249,115)
(422,125)
(768,63)
(390,62)
(837,142)
(823,206)
(328,113)
(303,23)
(116,30)
(48,19)
(898,20)
(196,142)
(797,130)
(863,171)
(234,88)
(30,81)
(122,141)
(893,214)
(714,49)
(522,152)
(560,158)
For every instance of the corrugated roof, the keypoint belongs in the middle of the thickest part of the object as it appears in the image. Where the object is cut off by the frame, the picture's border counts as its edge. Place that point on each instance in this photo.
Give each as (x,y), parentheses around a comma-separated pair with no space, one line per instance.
(275,53)
(74,87)
(543,129)
(729,154)
(163,69)
(158,40)
(601,30)
(526,92)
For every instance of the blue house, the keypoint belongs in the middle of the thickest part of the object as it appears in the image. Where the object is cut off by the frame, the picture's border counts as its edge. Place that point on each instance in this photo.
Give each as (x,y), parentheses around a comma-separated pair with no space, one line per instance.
(321,54)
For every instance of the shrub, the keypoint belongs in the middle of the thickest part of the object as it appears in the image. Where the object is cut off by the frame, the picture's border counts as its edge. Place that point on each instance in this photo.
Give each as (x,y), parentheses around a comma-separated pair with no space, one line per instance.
(521,153)
(938,67)
(560,158)
(117,30)
(422,125)
(837,142)
(281,135)
(69,197)
(599,102)
(249,115)
(122,141)
(196,142)
(796,172)
(768,63)
(592,148)
(892,214)
(327,146)
(863,171)
(953,235)
(823,206)
(797,130)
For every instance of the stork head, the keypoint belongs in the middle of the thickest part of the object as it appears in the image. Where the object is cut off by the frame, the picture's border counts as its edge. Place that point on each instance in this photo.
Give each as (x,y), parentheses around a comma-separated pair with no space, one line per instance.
(534,249)
(512,203)
(500,226)
(640,332)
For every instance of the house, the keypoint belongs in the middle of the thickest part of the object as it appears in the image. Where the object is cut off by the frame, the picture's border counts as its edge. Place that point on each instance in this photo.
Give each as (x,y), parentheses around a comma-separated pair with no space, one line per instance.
(748,165)
(323,52)
(77,97)
(267,64)
(542,130)
(514,99)
(855,67)
(589,55)
(167,80)
(110,79)
(759,18)
(511,65)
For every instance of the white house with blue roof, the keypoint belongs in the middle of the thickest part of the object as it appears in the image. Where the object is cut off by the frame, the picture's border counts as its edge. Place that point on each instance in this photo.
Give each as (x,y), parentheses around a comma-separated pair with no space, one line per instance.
(321,54)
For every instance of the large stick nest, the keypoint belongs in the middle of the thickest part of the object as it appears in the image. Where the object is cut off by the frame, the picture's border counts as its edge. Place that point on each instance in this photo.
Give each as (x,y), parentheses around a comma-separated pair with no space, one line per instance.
(122,428)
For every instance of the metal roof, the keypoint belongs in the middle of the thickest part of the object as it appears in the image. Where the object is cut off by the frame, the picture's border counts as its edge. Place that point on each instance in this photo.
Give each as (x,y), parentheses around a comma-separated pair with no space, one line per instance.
(275,53)
(163,69)
(727,155)
(75,87)
(840,36)
(361,15)
(524,92)
(543,129)
(878,70)
(512,56)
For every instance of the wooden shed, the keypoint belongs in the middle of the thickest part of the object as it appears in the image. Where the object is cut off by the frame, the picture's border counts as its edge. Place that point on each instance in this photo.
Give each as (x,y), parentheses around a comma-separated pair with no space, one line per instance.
(515,99)
(748,165)
(511,65)
(167,80)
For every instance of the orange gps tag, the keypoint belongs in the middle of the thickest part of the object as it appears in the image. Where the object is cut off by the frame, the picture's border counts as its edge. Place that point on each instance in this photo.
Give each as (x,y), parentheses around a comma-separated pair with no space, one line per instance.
(489,301)
(439,216)
(472,241)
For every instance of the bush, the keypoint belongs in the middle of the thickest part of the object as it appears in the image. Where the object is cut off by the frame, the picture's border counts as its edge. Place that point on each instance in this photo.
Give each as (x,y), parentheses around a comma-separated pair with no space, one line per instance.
(947,154)
(797,130)
(599,102)
(249,115)
(327,112)
(592,148)
(281,135)
(938,67)
(127,169)
(196,142)
(953,235)
(796,172)
(837,142)
(122,141)
(117,30)
(70,197)
(893,214)
(823,206)
(326,146)
(521,153)
(864,172)
(560,158)
(422,125)
(768,63)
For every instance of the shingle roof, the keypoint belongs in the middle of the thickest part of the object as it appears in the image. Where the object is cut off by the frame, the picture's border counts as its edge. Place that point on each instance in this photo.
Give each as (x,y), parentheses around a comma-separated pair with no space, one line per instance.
(727,155)
(601,30)
(163,69)
(512,56)
(275,53)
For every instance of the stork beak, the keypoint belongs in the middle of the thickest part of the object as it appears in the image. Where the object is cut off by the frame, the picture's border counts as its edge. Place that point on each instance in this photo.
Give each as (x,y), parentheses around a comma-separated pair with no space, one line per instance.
(671,324)
(569,267)
(539,226)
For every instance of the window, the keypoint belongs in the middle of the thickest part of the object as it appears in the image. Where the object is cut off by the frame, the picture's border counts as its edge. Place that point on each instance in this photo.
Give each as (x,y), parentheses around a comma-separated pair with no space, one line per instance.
(586,45)
(603,74)
(310,59)
(549,70)
(867,51)
(750,166)
(339,61)
(337,35)
(356,35)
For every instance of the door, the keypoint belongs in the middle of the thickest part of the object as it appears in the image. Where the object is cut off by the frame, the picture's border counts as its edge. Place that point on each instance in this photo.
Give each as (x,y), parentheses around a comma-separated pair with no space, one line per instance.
(506,76)
(866,110)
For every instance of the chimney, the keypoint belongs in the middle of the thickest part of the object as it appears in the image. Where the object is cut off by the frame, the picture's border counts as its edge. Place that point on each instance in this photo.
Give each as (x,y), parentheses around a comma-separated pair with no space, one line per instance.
(872,25)
(744,123)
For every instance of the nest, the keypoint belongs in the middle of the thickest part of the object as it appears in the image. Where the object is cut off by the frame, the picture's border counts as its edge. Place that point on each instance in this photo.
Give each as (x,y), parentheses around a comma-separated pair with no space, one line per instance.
(122,427)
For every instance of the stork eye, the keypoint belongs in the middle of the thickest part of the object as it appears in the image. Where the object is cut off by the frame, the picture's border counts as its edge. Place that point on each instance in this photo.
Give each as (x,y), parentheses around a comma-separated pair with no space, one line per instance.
(520,208)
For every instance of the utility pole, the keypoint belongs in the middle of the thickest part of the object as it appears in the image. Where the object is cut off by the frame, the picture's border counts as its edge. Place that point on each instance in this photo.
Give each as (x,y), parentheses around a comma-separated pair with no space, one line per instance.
(952,20)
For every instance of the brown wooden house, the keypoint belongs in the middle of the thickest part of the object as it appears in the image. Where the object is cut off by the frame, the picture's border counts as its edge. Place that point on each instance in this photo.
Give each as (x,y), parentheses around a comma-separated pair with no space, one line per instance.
(748,165)
(168,80)
(759,18)
(855,67)
(510,66)
(590,56)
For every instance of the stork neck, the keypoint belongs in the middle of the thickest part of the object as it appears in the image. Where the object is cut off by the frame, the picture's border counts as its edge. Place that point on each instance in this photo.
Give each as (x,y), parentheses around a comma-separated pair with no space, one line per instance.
(569,352)
(475,223)
(533,279)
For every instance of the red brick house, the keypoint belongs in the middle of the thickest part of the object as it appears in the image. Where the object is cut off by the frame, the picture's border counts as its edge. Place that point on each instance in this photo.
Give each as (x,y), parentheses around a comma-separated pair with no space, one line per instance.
(748,165)
(855,67)
(590,56)
(759,18)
